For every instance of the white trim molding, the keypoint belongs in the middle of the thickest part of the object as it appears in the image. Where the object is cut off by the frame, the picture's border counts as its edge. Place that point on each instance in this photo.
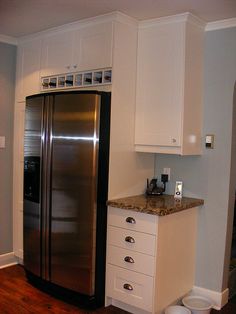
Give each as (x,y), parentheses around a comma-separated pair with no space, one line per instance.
(8,40)
(8,259)
(183,17)
(211,26)
(219,299)
(108,17)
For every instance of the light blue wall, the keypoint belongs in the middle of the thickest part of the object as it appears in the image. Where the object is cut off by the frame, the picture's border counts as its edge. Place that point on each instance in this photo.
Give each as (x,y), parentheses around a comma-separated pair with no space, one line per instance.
(7,90)
(208,176)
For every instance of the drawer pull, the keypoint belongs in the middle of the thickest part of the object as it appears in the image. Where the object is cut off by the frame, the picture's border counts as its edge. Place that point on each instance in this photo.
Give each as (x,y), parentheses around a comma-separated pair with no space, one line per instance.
(129,259)
(129,239)
(128,287)
(130,220)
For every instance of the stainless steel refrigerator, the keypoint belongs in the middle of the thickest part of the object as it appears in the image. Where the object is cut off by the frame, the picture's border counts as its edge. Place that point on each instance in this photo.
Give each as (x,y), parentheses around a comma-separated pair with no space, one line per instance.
(66,157)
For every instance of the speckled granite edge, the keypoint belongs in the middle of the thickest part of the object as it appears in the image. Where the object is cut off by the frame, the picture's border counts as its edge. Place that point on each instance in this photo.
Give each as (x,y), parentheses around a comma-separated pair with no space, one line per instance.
(155,205)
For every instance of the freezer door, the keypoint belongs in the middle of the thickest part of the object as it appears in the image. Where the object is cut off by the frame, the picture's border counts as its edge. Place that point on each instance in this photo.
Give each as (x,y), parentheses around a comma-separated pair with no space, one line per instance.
(74,191)
(32,192)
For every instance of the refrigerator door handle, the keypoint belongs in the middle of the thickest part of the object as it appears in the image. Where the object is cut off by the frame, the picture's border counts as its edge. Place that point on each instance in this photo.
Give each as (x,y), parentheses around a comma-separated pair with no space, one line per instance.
(46,187)
(49,186)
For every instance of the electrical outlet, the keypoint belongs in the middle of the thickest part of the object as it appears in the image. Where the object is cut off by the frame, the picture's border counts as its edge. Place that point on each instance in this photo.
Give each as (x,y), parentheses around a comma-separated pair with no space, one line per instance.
(209,141)
(167,171)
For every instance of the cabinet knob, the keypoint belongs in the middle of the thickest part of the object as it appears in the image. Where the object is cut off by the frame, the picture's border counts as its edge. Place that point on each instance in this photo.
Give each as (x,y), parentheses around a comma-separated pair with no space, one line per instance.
(129,259)
(130,220)
(127,286)
(129,239)
(68,67)
(174,140)
(75,66)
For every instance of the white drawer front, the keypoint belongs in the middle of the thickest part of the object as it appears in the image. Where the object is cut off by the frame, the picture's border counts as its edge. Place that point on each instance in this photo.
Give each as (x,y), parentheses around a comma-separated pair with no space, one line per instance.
(131,260)
(139,242)
(141,222)
(142,287)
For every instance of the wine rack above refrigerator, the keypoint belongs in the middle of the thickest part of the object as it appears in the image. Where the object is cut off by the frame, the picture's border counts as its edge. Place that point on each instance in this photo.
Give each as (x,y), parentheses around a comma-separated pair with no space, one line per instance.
(77,80)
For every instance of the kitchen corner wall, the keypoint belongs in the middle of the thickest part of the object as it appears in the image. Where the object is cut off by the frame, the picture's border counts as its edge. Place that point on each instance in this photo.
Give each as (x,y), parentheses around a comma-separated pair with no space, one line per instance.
(208,176)
(7,95)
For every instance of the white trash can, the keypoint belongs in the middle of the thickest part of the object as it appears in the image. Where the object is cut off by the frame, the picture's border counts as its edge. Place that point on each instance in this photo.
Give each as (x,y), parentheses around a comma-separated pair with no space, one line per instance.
(177,309)
(197,304)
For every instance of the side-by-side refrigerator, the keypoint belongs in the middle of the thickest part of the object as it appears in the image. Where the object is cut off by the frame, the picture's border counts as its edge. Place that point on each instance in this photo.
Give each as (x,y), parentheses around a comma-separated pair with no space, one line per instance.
(66,157)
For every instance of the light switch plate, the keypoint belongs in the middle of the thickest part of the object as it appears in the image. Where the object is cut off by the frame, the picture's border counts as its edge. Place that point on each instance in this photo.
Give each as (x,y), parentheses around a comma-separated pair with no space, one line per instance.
(2,141)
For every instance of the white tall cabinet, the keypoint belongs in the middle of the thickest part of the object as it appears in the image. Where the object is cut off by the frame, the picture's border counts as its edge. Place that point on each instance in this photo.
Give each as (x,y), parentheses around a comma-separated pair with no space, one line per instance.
(104,41)
(27,83)
(169,85)
(18,166)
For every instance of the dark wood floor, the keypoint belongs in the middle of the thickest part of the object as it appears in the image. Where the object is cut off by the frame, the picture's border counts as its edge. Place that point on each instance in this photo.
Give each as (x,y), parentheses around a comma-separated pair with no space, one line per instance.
(17,296)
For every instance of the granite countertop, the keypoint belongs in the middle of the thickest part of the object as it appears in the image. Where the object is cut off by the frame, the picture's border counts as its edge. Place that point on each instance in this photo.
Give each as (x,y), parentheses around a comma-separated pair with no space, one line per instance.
(155,205)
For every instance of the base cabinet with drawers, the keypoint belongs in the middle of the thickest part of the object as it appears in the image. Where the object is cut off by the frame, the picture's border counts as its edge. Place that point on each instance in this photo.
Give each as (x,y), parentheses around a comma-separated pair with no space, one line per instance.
(150,259)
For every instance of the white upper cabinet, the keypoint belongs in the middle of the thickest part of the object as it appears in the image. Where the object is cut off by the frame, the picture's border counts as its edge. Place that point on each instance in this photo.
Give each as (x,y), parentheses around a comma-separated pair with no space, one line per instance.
(57,52)
(169,86)
(95,47)
(28,66)
(86,47)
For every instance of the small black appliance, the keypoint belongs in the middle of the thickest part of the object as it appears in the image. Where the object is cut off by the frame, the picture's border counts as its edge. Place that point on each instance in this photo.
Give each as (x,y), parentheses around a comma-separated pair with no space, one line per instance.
(157,188)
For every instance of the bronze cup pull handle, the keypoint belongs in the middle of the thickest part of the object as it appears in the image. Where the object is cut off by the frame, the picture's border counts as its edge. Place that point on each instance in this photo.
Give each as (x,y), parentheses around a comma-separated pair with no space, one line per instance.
(127,286)
(129,259)
(129,239)
(130,220)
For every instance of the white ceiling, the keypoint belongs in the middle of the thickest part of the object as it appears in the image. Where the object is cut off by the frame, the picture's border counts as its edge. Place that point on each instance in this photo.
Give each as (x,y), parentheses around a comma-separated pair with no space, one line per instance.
(22,17)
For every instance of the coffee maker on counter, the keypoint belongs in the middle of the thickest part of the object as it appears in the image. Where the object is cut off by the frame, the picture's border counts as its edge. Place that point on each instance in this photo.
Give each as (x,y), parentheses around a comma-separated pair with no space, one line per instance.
(156,188)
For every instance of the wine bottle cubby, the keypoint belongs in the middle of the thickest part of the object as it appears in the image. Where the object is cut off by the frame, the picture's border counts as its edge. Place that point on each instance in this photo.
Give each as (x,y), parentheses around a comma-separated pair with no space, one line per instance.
(78,79)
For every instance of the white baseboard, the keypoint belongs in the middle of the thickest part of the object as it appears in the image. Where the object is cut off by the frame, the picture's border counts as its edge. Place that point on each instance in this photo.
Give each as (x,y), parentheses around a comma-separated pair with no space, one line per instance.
(219,299)
(8,259)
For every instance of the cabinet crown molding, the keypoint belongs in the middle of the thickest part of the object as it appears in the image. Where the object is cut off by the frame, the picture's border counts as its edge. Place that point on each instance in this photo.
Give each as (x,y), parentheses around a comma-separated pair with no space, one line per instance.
(8,40)
(227,23)
(183,17)
(109,17)
(126,19)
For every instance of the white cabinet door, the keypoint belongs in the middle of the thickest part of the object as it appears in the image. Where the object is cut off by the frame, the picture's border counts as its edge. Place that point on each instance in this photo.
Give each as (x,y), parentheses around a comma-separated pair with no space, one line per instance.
(159,85)
(95,48)
(130,287)
(28,65)
(169,87)
(57,53)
